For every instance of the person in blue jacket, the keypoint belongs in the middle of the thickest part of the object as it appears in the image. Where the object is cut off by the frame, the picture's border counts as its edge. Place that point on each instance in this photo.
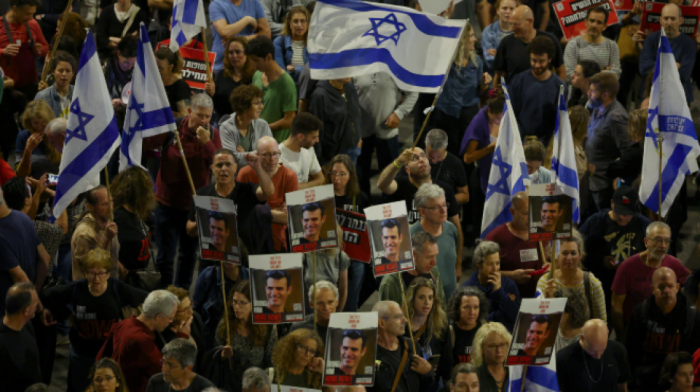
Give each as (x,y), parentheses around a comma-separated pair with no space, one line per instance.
(290,47)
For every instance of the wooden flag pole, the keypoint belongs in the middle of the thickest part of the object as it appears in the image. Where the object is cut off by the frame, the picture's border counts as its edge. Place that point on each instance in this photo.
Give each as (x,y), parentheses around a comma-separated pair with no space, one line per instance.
(184,162)
(55,43)
(522,379)
(553,264)
(313,254)
(223,294)
(661,156)
(408,318)
(425,122)
(206,53)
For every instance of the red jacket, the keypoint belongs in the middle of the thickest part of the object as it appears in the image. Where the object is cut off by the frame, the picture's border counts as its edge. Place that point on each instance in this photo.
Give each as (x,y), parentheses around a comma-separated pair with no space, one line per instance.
(22,69)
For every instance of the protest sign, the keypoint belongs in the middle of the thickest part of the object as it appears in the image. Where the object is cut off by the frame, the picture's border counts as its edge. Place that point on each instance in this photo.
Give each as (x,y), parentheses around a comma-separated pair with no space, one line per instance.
(550,213)
(277,288)
(572,14)
(218,233)
(535,331)
(651,12)
(311,215)
(390,238)
(351,349)
(355,235)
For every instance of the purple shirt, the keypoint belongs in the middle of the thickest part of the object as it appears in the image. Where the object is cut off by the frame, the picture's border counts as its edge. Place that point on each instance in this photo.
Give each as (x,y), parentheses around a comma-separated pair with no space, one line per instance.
(479,130)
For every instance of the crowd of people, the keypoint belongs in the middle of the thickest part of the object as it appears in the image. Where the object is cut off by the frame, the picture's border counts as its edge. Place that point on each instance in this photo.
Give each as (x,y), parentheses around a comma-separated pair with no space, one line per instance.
(117,276)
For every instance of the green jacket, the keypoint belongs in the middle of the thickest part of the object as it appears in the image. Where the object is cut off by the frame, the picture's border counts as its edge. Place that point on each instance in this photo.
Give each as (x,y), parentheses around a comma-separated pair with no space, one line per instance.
(390,290)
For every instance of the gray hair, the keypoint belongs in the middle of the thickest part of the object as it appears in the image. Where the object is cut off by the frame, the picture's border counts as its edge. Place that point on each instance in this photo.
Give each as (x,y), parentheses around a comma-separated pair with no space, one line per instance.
(576,238)
(382,308)
(655,224)
(323,285)
(255,378)
(576,306)
(426,192)
(420,238)
(484,249)
(181,350)
(159,302)
(436,139)
(201,100)
(462,368)
(56,126)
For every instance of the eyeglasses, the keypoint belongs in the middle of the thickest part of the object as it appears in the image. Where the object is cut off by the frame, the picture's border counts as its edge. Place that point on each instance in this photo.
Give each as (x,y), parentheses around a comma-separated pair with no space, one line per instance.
(93,275)
(340,174)
(239,303)
(306,350)
(417,157)
(493,347)
(659,241)
(100,380)
(271,155)
(440,207)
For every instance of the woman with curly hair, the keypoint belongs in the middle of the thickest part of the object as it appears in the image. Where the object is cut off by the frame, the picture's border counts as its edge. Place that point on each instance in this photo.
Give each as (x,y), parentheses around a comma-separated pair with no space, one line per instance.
(238,71)
(133,198)
(467,310)
(107,376)
(298,359)
(489,354)
(31,144)
(59,96)
(290,47)
(75,28)
(429,325)
(241,132)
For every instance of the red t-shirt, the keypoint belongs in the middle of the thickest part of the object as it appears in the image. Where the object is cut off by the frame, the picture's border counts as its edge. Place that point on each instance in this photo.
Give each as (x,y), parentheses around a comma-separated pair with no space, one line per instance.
(517,254)
(19,68)
(633,279)
(6,172)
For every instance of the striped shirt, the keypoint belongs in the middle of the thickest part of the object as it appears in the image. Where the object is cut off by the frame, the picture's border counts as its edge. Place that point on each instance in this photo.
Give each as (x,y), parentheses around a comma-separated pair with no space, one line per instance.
(298,53)
(598,299)
(605,54)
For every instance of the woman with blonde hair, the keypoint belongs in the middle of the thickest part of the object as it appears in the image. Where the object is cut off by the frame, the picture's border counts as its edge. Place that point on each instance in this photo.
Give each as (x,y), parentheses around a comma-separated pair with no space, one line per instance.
(178,91)
(429,326)
(32,144)
(298,359)
(290,47)
(238,71)
(489,353)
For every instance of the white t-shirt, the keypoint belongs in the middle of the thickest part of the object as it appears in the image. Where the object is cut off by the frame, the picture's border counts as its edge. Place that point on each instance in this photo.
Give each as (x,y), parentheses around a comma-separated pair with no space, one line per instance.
(304,163)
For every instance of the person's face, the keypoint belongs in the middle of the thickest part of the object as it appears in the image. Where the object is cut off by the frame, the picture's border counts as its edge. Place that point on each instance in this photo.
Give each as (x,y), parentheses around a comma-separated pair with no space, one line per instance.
(340,176)
(569,256)
(172,370)
(351,352)
(550,214)
(622,220)
(465,383)
(539,63)
(436,210)
(259,63)
(469,310)
(101,209)
(578,79)
(277,291)
(426,259)
(683,379)
(312,222)
(309,140)
(339,84)
(164,68)
(97,276)
(104,380)
(127,63)
(505,11)
(472,40)
(200,117)
(255,109)
(671,20)
(219,233)
(391,239)
(306,351)
(495,348)
(57,141)
(533,166)
(224,169)
(491,265)
(595,24)
(419,165)
(299,24)
(536,335)
(236,55)
(658,241)
(395,323)
(163,321)
(23,14)
(665,289)
(241,306)
(435,156)
(594,94)
(38,124)
(326,304)
(270,154)
(184,311)
(423,301)
(63,74)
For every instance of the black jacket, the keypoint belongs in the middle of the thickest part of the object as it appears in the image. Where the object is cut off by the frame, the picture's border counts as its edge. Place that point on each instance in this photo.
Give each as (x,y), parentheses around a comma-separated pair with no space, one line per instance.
(385,373)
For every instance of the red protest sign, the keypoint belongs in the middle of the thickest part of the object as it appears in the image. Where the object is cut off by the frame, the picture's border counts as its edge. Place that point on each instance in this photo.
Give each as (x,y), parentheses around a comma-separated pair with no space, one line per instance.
(194,65)
(624,5)
(572,14)
(355,235)
(652,12)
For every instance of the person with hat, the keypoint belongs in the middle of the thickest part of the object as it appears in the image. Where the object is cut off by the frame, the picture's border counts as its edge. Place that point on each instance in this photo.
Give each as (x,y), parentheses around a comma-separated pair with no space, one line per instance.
(613,235)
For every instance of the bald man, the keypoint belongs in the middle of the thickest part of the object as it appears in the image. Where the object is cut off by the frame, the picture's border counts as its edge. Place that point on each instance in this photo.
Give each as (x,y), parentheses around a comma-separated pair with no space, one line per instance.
(519,255)
(512,56)
(664,323)
(682,45)
(579,365)
(284,180)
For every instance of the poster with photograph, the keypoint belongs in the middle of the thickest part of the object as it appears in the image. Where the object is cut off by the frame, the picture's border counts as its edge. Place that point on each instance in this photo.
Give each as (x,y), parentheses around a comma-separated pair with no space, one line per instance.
(218,233)
(351,349)
(535,331)
(277,288)
(550,213)
(651,18)
(312,223)
(355,235)
(572,15)
(390,238)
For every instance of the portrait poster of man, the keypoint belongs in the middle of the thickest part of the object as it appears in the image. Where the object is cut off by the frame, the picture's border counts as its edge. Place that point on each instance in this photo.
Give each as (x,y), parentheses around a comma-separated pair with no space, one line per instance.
(277,288)
(550,213)
(218,233)
(312,223)
(390,238)
(351,347)
(535,331)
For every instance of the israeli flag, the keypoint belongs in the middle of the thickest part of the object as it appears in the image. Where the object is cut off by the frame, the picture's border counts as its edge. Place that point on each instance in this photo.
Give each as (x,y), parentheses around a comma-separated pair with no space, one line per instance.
(350,38)
(188,21)
(92,135)
(564,157)
(508,172)
(671,126)
(148,113)
(537,378)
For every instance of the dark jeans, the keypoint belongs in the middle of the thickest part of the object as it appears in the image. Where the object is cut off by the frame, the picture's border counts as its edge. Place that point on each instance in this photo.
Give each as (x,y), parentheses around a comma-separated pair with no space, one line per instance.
(387,151)
(79,371)
(356,276)
(171,231)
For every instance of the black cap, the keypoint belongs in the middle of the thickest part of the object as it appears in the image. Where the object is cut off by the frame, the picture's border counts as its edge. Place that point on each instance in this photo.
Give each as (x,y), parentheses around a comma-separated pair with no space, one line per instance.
(625,200)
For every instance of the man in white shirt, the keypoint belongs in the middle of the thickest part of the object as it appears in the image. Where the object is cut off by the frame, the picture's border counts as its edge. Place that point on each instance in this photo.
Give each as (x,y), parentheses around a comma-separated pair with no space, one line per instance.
(298,153)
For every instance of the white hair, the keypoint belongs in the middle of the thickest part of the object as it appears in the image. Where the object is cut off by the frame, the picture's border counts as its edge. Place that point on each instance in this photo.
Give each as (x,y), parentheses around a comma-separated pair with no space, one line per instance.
(160,302)
(655,224)
(382,308)
(426,192)
(201,100)
(56,126)
(255,377)
(322,285)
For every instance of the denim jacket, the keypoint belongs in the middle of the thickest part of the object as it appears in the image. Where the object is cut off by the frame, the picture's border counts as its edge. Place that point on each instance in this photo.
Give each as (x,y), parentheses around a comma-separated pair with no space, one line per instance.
(51,97)
(284,53)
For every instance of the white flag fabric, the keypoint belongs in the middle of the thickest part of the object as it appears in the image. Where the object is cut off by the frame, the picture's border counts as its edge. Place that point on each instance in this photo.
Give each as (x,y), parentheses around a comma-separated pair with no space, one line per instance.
(669,120)
(350,38)
(508,172)
(564,157)
(188,20)
(537,378)
(92,135)
(148,112)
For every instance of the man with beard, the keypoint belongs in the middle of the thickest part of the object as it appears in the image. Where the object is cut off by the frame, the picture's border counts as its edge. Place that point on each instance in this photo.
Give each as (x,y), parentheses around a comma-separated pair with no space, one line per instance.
(278,286)
(536,334)
(592,45)
(179,357)
(298,151)
(312,219)
(550,212)
(535,92)
(352,349)
(218,230)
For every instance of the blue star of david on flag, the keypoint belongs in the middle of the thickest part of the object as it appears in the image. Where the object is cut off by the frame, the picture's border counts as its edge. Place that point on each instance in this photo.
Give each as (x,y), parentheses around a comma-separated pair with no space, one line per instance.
(505,169)
(83,120)
(378,22)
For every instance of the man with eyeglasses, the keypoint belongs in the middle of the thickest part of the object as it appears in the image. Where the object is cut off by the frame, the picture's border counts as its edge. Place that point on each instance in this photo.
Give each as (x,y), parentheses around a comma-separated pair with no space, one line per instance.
(179,357)
(664,323)
(324,301)
(403,188)
(298,151)
(633,280)
(284,180)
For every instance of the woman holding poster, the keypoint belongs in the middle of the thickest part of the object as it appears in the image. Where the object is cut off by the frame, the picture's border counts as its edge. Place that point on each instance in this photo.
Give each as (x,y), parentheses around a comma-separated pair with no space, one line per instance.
(298,361)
